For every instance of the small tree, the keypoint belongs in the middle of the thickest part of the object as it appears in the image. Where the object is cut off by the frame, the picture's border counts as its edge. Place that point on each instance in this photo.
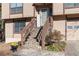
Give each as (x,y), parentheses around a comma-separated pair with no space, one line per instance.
(55,36)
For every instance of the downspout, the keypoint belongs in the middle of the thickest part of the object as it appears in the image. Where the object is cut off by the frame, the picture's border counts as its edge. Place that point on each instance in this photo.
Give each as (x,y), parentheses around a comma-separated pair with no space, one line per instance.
(66,28)
(65,22)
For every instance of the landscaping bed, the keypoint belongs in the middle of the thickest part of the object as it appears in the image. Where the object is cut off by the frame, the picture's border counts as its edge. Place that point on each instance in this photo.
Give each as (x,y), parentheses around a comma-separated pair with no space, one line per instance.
(5,49)
(56,47)
(54,41)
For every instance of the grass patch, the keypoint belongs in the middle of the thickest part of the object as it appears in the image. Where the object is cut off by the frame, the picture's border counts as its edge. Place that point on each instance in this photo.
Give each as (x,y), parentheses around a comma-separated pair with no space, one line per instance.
(56,47)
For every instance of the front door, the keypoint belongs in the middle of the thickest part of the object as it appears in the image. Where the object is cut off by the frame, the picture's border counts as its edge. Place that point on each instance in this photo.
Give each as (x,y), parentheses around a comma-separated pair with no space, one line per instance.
(42,16)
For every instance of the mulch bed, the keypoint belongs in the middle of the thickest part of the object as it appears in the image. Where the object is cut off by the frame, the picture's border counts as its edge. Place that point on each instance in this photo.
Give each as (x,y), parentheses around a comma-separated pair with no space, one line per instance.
(5,50)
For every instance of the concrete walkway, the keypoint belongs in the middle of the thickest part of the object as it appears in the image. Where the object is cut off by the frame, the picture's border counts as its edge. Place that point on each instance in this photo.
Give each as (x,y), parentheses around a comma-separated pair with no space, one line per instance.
(33,52)
(72,48)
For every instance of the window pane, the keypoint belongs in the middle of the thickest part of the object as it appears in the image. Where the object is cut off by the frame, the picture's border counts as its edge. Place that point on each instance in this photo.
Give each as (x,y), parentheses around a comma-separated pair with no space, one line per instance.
(76,4)
(69,4)
(22,25)
(13,5)
(16,8)
(16,24)
(16,27)
(13,10)
(19,25)
(19,4)
(19,10)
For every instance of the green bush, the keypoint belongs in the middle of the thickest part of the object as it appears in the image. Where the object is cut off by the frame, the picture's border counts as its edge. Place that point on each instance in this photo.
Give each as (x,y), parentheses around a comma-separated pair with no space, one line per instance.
(56,46)
(52,37)
(13,43)
(54,41)
(52,48)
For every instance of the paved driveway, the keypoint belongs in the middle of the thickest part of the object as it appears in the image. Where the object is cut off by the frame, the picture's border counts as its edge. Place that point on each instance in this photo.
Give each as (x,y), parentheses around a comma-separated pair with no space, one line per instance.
(72,48)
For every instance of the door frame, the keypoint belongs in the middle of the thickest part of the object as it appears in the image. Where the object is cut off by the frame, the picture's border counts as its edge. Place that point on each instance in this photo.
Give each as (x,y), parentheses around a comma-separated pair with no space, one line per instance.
(40,12)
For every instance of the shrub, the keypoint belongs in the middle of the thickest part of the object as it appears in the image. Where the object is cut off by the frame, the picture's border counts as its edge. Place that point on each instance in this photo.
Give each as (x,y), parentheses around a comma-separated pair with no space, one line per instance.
(57,36)
(48,40)
(14,46)
(13,43)
(54,41)
(56,47)
(53,37)
(52,48)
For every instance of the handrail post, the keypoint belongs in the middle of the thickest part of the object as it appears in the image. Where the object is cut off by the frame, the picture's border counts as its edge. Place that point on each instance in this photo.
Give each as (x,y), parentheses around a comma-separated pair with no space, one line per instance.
(43,42)
(27,29)
(46,29)
(21,39)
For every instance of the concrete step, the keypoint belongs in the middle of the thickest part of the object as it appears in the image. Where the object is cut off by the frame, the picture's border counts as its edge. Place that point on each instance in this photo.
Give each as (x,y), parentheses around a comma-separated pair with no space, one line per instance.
(35,32)
(31,41)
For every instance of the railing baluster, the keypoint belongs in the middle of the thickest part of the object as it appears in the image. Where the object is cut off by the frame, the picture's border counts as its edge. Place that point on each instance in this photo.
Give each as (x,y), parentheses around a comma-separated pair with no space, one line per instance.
(27,29)
(45,31)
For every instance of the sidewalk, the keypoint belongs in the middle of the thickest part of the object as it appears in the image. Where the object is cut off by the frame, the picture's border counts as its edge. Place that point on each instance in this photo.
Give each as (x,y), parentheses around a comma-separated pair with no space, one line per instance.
(72,48)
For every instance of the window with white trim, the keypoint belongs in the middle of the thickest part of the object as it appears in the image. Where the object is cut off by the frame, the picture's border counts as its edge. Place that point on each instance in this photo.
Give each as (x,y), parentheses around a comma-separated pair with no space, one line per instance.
(18,26)
(16,8)
(70,5)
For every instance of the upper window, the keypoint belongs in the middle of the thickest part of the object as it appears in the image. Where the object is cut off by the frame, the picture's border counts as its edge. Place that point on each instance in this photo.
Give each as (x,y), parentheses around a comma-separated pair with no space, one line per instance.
(71,5)
(16,8)
(76,4)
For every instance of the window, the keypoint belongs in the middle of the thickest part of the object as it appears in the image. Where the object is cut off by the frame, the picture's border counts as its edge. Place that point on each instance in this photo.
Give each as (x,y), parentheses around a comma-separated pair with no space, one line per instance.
(50,12)
(16,8)
(70,5)
(19,25)
(76,4)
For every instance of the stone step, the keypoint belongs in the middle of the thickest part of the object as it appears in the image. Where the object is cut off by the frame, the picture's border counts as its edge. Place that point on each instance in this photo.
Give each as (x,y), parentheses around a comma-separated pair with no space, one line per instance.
(32,47)
(35,32)
(31,42)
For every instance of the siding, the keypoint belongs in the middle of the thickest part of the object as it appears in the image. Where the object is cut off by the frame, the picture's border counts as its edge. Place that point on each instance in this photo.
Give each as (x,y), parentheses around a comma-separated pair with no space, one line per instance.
(59,25)
(72,11)
(72,34)
(28,10)
(8,32)
(9,35)
(5,10)
(57,8)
